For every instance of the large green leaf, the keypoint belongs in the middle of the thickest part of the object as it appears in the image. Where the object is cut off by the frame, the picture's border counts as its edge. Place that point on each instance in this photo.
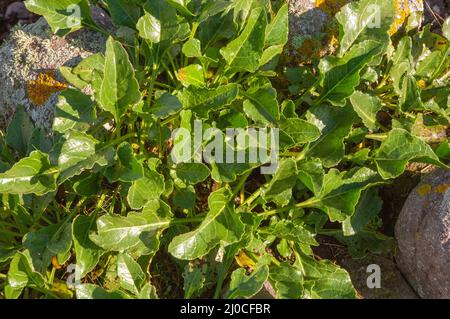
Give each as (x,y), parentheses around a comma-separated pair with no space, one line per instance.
(287,281)
(159,22)
(202,101)
(244,52)
(262,106)
(74,111)
(221,225)
(131,276)
(87,252)
(148,188)
(127,168)
(119,89)
(191,173)
(300,131)
(279,189)
(367,107)
(81,152)
(21,274)
(246,286)
(342,76)
(334,124)
(30,175)
(398,149)
(91,291)
(119,233)
(341,191)
(368,207)
(20,130)
(48,242)
(124,12)
(63,16)
(364,20)
(278,29)
(286,229)
(325,280)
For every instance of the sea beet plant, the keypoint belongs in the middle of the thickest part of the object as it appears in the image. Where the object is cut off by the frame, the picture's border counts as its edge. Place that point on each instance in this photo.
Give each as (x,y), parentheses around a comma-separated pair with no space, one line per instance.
(99,208)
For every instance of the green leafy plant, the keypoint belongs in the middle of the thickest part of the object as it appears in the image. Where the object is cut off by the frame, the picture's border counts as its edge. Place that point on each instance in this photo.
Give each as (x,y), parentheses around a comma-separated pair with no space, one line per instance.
(102,192)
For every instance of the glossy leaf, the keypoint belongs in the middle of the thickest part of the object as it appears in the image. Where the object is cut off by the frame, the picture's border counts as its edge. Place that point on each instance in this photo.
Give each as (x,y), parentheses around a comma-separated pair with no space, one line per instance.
(221,225)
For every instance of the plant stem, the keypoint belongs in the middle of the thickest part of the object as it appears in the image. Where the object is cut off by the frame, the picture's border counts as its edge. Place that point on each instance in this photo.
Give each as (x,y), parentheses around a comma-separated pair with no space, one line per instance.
(308,203)
(377,137)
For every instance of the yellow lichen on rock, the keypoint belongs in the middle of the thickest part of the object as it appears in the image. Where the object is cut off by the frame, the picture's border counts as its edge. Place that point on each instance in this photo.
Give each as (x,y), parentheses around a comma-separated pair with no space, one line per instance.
(41,89)
(424,189)
(331,6)
(403,9)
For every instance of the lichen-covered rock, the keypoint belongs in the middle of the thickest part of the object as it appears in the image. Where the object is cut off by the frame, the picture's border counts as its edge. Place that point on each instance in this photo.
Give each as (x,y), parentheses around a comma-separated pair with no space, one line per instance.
(29,63)
(423,235)
(313,31)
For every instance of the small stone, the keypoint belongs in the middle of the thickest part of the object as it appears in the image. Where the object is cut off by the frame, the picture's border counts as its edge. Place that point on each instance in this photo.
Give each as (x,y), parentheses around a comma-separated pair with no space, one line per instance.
(423,235)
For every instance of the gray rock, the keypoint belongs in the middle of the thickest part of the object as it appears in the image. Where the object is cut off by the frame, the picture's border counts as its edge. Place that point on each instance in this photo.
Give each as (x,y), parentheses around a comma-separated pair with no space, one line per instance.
(33,50)
(423,235)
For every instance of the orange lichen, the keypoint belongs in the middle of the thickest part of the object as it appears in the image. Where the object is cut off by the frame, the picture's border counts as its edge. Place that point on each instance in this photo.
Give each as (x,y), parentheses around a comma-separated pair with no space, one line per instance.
(402,12)
(331,6)
(40,90)
(441,189)
(55,263)
(245,261)
(424,189)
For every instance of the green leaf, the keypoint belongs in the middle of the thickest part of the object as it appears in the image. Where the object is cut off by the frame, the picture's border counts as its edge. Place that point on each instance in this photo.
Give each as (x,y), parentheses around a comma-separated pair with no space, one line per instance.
(131,276)
(194,280)
(39,141)
(243,286)
(278,29)
(48,242)
(325,280)
(244,52)
(284,179)
(410,94)
(365,20)
(191,75)
(334,124)
(286,229)
(287,281)
(262,106)
(202,101)
(79,152)
(74,111)
(159,22)
(86,251)
(30,175)
(119,88)
(148,188)
(20,275)
(90,291)
(63,16)
(311,174)
(340,80)
(122,234)
(192,48)
(429,65)
(367,107)
(20,131)
(220,226)
(166,105)
(192,173)
(368,207)
(124,12)
(341,191)
(127,168)
(299,130)
(399,148)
